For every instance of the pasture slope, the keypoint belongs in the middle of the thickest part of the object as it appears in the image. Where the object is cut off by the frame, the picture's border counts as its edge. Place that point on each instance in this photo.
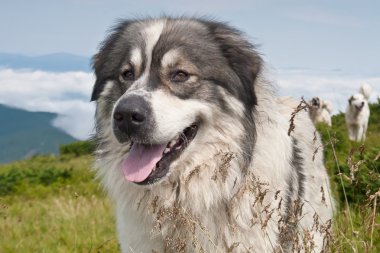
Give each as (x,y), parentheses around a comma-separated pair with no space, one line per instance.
(54,204)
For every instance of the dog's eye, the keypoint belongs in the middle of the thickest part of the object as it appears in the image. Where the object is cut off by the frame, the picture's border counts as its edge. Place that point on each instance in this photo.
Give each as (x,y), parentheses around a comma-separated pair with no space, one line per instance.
(127,75)
(179,76)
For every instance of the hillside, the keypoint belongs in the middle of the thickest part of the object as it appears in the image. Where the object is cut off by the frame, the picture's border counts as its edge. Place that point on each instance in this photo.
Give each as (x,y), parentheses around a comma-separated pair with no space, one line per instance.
(23,134)
(354,170)
(75,216)
(357,165)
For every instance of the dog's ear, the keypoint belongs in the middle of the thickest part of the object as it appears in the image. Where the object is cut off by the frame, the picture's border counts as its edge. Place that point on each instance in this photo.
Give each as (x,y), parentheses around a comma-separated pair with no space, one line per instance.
(98,86)
(107,54)
(241,56)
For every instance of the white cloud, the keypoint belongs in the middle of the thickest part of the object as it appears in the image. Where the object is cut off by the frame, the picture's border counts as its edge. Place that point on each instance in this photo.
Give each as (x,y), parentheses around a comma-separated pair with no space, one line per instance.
(331,86)
(67,94)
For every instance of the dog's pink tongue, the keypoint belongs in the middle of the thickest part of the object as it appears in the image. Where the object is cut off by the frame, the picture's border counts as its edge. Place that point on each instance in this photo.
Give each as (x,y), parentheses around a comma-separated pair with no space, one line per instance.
(141,160)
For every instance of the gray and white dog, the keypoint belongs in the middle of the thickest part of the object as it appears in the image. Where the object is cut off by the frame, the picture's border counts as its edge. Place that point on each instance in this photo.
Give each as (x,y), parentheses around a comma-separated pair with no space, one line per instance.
(195,148)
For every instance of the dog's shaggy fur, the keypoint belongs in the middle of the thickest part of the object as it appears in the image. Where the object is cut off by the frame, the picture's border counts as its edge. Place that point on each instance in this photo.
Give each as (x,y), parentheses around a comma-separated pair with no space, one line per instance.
(248,175)
(320,110)
(357,114)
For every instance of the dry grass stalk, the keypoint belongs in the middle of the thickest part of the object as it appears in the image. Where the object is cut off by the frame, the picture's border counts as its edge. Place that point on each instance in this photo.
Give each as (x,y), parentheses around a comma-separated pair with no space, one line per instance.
(225,158)
(303,105)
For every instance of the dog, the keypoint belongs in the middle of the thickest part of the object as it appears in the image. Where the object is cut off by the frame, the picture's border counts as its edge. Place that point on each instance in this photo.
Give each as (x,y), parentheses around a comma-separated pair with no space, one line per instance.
(195,148)
(357,114)
(320,110)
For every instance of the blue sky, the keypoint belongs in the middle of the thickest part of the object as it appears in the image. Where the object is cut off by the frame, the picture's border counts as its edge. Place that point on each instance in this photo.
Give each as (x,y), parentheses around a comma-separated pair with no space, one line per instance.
(325,35)
(312,48)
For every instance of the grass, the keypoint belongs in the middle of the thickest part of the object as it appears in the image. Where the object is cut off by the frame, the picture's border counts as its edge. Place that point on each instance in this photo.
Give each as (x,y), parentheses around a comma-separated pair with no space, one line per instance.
(363,236)
(354,170)
(57,224)
(58,208)
(53,203)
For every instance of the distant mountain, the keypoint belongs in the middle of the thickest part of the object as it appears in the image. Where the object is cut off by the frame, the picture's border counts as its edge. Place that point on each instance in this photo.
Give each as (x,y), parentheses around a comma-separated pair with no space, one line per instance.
(58,62)
(24,133)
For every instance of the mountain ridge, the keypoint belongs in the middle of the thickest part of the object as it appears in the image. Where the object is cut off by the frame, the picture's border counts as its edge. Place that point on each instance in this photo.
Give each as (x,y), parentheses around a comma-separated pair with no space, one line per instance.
(24,134)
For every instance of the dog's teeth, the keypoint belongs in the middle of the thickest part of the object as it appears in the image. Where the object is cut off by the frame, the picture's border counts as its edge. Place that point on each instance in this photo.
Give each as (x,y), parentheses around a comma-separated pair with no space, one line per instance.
(172,143)
(166,150)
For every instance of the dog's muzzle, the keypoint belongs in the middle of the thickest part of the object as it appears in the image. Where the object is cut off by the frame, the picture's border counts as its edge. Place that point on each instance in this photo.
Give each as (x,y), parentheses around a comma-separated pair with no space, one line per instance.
(315,102)
(132,118)
(360,107)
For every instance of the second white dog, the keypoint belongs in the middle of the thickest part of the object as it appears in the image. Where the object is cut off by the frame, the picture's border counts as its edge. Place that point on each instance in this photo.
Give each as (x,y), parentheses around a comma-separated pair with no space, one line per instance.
(357,113)
(320,111)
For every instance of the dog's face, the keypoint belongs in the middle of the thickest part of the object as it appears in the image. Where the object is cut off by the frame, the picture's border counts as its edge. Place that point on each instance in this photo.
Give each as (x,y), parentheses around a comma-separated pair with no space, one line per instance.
(357,102)
(315,103)
(169,88)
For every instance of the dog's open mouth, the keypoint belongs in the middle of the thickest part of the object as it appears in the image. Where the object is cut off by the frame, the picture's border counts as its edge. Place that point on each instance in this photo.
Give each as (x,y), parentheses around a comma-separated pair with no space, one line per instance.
(359,108)
(315,104)
(146,164)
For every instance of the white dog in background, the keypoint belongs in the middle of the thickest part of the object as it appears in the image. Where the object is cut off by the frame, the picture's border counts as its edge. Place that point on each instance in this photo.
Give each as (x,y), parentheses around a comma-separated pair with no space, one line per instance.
(357,113)
(320,110)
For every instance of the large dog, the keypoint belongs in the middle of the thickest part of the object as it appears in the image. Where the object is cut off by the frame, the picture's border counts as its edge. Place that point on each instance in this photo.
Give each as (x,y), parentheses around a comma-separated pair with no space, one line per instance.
(195,149)
(320,110)
(357,114)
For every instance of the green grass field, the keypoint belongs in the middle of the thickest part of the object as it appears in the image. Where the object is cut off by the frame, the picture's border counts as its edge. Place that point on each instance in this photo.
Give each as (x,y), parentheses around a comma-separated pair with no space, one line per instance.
(54,204)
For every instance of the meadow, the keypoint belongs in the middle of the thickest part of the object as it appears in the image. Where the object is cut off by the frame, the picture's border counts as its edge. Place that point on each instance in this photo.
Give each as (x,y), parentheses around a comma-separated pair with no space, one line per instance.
(354,170)
(54,203)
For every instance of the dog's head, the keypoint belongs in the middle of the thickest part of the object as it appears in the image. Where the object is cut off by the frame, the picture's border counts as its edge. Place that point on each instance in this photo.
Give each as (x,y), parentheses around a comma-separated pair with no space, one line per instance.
(315,103)
(171,89)
(357,102)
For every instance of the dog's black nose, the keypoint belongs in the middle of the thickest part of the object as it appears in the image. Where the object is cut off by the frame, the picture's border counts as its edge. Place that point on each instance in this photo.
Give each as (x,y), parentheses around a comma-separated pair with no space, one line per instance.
(131,115)
(362,103)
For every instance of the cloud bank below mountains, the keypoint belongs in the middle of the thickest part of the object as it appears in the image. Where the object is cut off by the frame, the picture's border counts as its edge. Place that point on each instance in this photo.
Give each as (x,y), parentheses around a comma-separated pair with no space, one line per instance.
(68,93)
